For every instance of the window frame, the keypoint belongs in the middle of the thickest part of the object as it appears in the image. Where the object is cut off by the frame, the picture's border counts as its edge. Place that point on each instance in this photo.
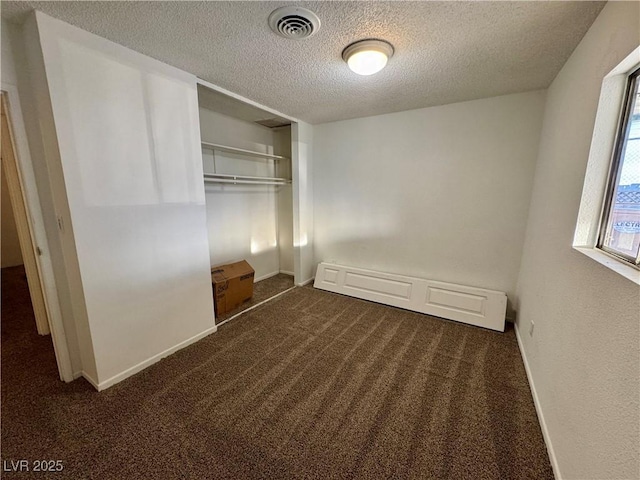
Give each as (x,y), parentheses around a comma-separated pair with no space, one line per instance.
(615,168)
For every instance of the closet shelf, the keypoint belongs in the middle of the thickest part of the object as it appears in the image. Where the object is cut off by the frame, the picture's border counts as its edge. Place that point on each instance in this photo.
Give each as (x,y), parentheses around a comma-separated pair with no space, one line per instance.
(242,151)
(244,179)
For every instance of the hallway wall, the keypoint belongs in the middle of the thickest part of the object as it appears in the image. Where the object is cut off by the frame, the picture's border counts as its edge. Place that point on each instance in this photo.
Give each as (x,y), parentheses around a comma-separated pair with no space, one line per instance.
(11,254)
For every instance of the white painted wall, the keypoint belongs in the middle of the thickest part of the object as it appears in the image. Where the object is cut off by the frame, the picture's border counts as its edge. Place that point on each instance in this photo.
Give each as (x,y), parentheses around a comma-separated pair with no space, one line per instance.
(584,355)
(302,158)
(440,193)
(247,222)
(127,131)
(11,254)
(285,201)
(42,186)
(8,72)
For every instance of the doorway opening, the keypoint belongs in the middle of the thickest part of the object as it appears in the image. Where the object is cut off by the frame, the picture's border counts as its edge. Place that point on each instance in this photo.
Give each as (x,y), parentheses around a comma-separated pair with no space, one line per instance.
(25,318)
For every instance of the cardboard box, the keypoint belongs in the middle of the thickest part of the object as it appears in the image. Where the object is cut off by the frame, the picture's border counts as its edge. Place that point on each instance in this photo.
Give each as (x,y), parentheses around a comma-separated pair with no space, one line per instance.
(232,285)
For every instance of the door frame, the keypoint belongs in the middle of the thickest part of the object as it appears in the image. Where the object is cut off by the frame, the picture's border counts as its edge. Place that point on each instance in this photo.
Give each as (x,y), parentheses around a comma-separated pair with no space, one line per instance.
(31,231)
(22,222)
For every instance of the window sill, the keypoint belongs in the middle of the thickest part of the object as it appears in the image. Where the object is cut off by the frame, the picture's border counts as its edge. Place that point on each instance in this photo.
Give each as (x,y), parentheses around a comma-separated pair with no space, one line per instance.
(612,263)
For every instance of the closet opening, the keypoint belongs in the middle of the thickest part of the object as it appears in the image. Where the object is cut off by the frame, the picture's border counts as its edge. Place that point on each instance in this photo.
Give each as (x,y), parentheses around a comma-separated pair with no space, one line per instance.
(246,153)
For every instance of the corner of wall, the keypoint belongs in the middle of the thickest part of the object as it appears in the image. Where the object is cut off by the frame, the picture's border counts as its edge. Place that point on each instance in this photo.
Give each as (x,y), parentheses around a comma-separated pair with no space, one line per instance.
(52,193)
(303,211)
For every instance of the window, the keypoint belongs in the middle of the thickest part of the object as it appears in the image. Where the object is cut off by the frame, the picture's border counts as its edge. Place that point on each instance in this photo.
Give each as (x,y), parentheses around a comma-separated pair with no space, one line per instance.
(620,228)
(607,229)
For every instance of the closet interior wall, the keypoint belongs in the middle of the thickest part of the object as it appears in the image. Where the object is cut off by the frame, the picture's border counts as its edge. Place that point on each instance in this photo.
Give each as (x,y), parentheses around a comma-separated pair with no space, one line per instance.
(252,222)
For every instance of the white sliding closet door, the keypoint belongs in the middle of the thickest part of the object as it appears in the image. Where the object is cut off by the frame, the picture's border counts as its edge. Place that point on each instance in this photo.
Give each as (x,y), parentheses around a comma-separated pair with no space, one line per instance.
(128,134)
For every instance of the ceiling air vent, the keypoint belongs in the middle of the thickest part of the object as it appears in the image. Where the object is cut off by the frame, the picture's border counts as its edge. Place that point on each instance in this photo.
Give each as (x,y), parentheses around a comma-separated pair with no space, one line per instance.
(294,22)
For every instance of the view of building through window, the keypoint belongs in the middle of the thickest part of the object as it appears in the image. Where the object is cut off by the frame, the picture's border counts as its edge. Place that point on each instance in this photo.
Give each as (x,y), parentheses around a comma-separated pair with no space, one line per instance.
(622,233)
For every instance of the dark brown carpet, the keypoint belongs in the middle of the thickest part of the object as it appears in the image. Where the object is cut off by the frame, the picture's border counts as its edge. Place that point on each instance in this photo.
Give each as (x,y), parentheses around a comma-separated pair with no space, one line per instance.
(262,290)
(309,385)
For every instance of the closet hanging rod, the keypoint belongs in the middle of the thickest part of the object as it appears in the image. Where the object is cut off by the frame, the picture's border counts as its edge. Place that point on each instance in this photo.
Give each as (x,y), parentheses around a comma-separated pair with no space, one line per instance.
(245,177)
(226,148)
(243,182)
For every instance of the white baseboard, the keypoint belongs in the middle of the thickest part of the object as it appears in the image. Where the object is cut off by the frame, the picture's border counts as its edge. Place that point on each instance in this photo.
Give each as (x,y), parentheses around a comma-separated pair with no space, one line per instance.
(87,377)
(90,379)
(264,277)
(150,361)
(306,282)
(285,272)
(536,401)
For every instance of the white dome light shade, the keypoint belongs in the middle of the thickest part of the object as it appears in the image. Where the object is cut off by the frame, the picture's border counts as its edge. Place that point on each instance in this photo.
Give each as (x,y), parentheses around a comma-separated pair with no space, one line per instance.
(367,62)
(367,57)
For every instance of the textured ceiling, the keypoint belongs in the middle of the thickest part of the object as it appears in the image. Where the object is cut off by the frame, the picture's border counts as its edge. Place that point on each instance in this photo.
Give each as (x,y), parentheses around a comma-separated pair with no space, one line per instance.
(444,51)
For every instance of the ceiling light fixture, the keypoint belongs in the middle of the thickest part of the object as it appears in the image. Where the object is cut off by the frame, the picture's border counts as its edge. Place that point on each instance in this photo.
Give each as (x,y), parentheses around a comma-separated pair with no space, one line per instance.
(367,57)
